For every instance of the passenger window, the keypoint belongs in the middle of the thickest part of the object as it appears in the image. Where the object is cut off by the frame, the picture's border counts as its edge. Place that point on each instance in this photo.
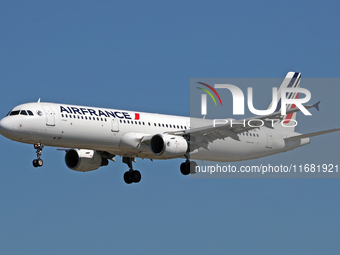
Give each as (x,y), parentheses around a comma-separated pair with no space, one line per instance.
(62,115)
(181,127)
(166,125)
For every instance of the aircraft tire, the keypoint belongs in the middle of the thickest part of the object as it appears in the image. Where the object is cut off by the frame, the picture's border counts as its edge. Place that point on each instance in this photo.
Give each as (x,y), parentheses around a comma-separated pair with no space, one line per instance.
(185,168)
(136,176)
(192,167)
(128,177)
(40,162)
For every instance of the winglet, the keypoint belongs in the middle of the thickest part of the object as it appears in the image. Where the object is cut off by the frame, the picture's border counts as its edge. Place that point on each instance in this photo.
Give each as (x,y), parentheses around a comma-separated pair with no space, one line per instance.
(316,105)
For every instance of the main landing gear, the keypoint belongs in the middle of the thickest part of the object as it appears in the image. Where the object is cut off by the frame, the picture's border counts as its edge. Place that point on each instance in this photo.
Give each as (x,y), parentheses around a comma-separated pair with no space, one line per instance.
(188,167)
(38,162)
(131,175)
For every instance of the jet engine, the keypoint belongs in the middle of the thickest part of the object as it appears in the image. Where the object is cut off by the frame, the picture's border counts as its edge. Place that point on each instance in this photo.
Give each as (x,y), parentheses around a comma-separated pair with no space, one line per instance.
(168,146)
(84,160)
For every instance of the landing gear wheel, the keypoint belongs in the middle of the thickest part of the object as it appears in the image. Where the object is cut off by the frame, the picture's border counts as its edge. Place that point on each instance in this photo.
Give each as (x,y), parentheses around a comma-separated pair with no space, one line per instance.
(136,176)
(128,177)
(188,167)
(192,167)
(185,168)
(38,162)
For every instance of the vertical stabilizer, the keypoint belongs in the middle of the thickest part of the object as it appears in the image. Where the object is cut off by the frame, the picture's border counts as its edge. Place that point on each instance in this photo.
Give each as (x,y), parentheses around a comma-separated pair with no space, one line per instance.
(292,80)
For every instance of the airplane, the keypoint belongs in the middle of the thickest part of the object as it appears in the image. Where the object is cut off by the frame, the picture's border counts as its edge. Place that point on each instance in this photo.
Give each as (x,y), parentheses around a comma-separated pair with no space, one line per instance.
(92,136)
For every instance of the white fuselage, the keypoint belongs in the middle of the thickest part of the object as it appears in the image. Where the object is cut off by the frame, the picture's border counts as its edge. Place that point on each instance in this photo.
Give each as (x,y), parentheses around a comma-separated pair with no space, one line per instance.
(119,132)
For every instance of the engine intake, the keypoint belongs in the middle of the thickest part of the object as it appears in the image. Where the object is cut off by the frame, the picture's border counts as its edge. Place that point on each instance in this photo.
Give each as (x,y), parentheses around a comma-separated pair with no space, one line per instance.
(168,146)
(84,160)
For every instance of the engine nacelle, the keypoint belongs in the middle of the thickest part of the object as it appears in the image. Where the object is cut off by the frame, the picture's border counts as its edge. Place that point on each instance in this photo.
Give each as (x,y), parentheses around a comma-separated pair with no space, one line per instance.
(84,160)
(168,146)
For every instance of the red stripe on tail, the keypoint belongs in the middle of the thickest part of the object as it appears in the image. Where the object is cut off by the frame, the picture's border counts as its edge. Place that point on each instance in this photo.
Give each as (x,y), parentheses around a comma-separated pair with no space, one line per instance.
(289,116)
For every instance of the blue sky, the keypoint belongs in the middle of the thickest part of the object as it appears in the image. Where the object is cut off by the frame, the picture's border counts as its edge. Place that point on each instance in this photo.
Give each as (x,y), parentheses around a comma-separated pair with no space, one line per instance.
(140,55)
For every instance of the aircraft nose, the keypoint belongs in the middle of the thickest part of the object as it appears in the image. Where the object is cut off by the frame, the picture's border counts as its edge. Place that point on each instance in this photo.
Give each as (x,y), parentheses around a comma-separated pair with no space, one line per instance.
(5,126)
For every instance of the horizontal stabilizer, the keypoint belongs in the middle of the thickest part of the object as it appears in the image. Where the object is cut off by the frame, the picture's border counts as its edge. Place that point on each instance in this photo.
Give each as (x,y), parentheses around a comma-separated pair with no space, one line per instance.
(311,134)
(316,105)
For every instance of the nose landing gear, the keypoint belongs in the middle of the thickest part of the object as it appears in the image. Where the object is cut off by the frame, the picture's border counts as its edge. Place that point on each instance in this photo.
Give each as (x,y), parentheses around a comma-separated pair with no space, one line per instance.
(38,162)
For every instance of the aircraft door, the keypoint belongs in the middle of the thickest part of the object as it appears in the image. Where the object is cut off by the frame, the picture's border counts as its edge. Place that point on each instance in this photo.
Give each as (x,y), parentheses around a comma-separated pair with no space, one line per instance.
(50,118)
(114,125)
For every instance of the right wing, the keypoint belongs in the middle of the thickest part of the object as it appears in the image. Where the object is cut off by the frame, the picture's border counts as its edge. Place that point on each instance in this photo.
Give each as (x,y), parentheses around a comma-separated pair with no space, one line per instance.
(201,137)
(298,137)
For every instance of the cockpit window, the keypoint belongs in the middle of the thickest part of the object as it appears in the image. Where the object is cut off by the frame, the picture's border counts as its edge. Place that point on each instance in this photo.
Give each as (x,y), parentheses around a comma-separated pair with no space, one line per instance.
(14,113)
(22,112)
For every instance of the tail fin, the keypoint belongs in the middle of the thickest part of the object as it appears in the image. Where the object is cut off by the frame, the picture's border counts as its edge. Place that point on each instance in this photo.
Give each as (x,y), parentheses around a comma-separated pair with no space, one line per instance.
(292,80)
